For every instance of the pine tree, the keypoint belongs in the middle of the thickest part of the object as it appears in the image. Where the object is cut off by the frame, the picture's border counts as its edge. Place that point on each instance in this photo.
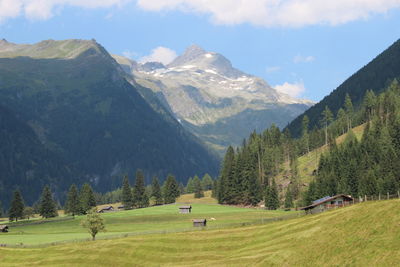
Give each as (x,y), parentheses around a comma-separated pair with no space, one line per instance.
(190,186)
(214,192)
(47,207)
(156,191)
(272,197)
(72,205)
(198,190)
(207,182)
(327,118)
(289,198)
(348,106)
(86,198)
(305,136)
(127,198)
(1,209)
(140,198)
(171,190)
(225,188)
(17,206)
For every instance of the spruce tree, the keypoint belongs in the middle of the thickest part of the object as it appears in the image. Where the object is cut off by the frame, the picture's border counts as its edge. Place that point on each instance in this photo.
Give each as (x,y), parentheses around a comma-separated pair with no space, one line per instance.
(305,136)
(272,197)
(171,190)
(207,182)
(289,198)
(17,206)
(86,198)
(348,106)
(156,191)
(47,207)
(190,186)
(1,209)
(225,188)
(198,189)
(327,118)
(214,192)
(72,205)
(127,198)
(140,198)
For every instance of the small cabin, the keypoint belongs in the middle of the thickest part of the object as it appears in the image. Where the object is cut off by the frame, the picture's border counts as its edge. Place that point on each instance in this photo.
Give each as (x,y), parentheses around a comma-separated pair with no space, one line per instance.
(106,209)
(327,203)
(121,207)
(185,209)
(4,228)
(199,222)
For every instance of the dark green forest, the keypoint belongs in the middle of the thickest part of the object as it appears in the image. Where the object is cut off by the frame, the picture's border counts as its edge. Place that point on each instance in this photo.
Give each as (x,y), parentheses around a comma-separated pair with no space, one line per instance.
(375,76)
(368,167)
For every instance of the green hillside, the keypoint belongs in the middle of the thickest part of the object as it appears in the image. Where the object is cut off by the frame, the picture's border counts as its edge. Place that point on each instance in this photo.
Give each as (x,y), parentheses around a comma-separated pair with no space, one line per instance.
(158,219)
(366,234)
(79,107)
(375,76)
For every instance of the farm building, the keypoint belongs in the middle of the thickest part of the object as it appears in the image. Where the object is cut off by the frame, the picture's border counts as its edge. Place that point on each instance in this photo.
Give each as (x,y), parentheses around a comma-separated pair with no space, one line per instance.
(199,222)
(328,202)
(185,209)
(4,228)
(106,209)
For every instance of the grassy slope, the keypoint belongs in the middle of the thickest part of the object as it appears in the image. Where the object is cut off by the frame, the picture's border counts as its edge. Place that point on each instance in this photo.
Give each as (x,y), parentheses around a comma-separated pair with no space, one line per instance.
(366,234)
(189,199)
(309,162)
(135,222)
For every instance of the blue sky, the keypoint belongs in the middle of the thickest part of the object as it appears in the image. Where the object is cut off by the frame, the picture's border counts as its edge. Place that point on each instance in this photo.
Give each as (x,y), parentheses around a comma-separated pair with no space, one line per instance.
(306,48)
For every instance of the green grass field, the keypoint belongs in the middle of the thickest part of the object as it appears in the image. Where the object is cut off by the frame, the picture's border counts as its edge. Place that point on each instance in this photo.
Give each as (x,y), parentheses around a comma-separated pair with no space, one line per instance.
(366,234)
(156,219)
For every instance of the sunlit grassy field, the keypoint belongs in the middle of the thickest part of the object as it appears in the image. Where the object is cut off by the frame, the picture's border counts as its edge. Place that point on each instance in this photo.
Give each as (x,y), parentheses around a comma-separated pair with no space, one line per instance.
(156,219)
(366,234)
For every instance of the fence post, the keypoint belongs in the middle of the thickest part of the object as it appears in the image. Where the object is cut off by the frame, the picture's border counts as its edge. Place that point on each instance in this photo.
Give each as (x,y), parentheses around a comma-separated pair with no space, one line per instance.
(365,197)
(388,195)
(379,196)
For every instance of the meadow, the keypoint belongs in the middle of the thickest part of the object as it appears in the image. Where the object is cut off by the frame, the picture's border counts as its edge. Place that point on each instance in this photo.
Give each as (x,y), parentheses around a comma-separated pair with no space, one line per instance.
(366,234)
(157,219)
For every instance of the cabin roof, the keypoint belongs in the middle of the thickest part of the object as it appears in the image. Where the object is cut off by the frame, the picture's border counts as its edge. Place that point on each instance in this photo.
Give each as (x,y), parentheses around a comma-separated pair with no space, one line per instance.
(185,207)
(199,220)
(3,227)
(326,199)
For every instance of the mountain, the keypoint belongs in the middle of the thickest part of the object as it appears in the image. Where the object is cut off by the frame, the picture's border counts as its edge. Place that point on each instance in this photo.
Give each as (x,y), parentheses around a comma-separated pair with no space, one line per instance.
(74,112)
(375,76)
(211,98)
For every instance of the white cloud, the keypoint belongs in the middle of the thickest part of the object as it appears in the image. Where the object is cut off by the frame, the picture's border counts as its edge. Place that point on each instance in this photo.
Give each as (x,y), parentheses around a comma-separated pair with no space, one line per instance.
(129,54)
(44,9)
(292,89)
(160,54)
(272,13)
(303,59)
(272,69)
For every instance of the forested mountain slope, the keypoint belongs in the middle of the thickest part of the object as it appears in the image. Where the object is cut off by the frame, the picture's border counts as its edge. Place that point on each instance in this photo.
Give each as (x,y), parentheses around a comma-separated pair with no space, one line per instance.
(74,102)
(375,76)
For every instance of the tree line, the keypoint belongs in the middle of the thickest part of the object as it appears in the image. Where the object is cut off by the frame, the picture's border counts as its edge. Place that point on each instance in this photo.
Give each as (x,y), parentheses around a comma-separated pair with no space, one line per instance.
(248,173)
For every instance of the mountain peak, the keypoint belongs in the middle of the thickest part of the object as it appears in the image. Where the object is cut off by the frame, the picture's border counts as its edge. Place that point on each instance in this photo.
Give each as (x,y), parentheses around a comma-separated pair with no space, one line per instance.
(191,53)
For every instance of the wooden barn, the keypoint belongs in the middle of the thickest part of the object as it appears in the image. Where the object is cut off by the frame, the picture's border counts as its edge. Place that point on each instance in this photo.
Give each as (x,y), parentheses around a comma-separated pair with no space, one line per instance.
(185,209)
(4,228)
(199,222)
(106,209)
(327,203)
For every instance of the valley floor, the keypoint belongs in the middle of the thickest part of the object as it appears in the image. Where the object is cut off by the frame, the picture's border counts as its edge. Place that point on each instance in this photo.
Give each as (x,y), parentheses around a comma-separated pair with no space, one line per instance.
(366,234)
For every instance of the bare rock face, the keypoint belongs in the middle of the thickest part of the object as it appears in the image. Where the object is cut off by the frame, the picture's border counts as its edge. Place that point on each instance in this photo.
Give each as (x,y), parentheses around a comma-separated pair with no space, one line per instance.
(204,91)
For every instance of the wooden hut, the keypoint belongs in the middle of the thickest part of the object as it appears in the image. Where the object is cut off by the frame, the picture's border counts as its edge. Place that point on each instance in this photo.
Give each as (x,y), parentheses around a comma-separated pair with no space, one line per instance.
(185,209)
(4,228)
(106,209)
(199,222)
(327,203)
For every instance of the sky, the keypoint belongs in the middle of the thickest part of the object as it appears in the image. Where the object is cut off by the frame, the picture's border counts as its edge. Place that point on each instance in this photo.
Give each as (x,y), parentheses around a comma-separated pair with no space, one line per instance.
(305,48)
